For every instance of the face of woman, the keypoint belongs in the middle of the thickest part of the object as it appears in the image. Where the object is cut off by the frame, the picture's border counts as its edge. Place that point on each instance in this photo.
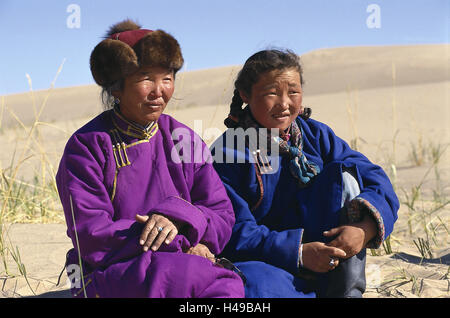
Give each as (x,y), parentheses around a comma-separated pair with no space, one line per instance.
(276,98)
(145,94)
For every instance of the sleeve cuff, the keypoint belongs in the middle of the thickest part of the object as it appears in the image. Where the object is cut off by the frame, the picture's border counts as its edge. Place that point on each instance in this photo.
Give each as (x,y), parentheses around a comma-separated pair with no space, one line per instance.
(356,210)
(180,210)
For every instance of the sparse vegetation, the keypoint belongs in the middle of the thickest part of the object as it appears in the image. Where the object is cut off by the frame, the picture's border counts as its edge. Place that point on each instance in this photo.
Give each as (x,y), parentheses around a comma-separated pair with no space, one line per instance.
(425,202)
(426,219)
(25,201)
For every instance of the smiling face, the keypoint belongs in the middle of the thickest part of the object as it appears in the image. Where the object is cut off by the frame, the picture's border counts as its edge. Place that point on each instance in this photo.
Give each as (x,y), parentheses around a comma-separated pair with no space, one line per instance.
(145,94)
(275,100)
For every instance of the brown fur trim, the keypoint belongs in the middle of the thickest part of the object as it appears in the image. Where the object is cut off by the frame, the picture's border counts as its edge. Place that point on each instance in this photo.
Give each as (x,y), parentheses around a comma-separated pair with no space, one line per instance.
(112,60)
(126,25)
(161,49)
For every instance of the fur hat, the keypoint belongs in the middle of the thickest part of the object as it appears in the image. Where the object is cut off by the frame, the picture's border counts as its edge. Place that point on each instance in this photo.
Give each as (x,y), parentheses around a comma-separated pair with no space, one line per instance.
(127,47)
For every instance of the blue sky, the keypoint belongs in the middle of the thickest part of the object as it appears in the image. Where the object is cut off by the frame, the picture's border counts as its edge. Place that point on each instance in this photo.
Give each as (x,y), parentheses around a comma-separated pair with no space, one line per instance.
(37,37)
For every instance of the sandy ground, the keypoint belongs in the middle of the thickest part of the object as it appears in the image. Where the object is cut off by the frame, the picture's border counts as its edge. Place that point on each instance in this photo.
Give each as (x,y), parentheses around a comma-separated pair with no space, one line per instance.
(393,101)
(401,274)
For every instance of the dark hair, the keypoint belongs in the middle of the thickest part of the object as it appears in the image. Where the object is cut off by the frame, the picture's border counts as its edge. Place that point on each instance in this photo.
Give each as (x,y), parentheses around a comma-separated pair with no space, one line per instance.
(257,64)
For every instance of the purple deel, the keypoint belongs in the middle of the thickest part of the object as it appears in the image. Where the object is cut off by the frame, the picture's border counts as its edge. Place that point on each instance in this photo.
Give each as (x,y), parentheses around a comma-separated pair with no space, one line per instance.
(112,170)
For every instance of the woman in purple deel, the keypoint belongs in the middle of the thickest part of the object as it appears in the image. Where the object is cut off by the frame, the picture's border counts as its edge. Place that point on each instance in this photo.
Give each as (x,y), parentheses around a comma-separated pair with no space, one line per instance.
(144,207)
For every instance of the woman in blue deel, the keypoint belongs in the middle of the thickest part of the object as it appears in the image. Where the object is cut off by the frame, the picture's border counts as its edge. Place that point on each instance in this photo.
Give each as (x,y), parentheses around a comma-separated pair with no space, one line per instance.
(308,206)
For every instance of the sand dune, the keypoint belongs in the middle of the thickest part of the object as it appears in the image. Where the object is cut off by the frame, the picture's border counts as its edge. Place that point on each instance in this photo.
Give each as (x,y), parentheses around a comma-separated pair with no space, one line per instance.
(333,70)
(352,89)
(325,71)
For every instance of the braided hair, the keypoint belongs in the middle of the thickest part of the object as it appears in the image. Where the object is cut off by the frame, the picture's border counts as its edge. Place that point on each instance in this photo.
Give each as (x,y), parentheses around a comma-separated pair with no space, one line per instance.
(257,64)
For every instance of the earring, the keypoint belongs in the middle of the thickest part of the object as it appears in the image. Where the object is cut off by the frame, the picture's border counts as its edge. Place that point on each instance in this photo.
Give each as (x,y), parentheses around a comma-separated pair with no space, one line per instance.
(116,101)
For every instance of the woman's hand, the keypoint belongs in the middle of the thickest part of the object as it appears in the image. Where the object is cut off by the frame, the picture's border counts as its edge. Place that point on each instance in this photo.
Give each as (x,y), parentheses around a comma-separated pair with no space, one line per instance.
(317,256)
(352,238)
(157,229)
(201,250)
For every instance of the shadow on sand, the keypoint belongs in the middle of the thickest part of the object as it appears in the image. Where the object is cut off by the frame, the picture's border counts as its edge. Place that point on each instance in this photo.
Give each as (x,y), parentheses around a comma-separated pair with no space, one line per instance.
(420,260)
(53,294)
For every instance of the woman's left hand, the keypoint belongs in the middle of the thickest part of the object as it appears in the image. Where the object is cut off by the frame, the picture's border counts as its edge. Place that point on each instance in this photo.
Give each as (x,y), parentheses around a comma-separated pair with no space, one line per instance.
(352,238)
(201,250)
(157,229)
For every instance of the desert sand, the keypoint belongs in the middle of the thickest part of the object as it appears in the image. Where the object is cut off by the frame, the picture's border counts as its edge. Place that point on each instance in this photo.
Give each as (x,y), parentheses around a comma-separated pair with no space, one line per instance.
(391,103)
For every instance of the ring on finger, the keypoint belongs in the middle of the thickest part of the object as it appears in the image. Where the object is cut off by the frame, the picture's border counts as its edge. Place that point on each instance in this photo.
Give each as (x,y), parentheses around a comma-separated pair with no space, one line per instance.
(160,228)
(332,262)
